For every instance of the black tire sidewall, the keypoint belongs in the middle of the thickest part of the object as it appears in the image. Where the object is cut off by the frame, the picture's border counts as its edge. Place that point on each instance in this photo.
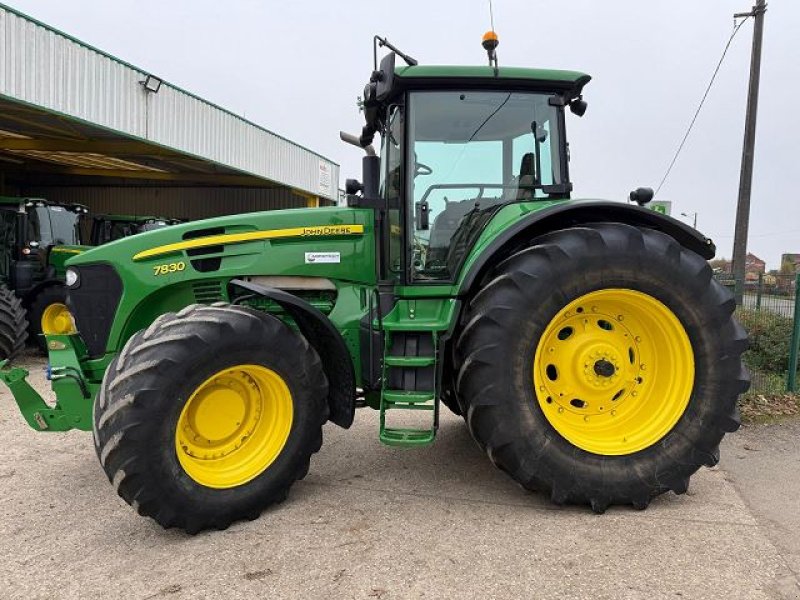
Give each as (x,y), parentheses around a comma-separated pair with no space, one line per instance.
(13,324)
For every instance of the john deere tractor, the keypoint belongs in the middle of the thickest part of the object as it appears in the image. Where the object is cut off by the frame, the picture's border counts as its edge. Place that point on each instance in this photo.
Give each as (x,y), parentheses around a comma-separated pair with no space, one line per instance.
(584,342)
(38,236)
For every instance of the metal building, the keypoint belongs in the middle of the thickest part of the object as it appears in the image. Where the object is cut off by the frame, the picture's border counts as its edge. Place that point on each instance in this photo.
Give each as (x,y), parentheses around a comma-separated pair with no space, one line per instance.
(79,125)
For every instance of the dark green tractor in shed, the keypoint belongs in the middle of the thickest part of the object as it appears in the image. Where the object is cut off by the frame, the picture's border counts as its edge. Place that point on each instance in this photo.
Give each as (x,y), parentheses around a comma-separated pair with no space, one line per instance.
(37,237)
(585,343)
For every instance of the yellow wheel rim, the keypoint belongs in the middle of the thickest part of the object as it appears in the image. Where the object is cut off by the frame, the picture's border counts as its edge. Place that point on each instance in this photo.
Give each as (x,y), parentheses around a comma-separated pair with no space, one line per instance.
(614,371)
(234,426)
(57,320)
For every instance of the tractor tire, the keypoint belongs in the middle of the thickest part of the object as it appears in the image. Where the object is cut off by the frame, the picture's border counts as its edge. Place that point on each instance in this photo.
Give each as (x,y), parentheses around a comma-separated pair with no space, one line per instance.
(209,416)
(13,324)
(602,365)
(48,313)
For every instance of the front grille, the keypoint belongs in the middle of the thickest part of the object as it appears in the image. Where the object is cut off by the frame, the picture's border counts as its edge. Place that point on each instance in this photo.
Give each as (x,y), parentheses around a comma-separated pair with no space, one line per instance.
(94,304)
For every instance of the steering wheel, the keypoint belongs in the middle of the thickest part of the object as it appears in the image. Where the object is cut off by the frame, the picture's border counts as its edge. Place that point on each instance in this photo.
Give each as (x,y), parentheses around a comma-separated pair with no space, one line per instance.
(421,169)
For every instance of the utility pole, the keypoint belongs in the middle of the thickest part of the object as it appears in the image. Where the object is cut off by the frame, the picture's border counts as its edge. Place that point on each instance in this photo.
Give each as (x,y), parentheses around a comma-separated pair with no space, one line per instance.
(746,173)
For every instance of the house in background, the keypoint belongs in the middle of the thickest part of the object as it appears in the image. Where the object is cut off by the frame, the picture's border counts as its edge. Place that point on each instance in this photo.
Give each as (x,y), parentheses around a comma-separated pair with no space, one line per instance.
(753,267)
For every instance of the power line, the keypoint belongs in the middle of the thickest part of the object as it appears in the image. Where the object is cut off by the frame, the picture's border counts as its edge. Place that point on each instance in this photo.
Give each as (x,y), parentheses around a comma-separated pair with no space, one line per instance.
(702,101)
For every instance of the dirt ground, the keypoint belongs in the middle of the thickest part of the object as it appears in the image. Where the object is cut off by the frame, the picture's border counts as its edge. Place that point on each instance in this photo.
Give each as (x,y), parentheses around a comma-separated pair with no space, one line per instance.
(376,522)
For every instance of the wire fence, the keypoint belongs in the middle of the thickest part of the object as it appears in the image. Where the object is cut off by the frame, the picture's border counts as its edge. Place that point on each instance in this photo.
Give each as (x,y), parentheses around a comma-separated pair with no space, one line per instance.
(768,314)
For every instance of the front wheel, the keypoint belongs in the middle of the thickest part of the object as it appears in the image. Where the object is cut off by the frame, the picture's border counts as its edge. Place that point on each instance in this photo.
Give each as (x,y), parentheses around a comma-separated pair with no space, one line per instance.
(602,365)
(209,416)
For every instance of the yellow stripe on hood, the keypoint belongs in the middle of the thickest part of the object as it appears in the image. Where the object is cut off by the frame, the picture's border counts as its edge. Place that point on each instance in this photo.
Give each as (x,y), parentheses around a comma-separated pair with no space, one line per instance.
(251,236)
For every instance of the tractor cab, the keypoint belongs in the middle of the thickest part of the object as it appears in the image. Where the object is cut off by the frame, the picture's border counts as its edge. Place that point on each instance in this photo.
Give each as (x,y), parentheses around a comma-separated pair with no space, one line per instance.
(29,229)
(457,144)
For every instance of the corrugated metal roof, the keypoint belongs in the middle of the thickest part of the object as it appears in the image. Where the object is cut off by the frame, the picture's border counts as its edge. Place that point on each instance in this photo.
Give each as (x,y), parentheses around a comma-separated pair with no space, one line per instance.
(43,67)
(89,160)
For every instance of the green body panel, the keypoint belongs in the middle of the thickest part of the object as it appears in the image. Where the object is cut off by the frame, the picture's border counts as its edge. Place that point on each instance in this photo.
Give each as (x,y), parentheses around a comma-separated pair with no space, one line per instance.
(505,218)
(59,255)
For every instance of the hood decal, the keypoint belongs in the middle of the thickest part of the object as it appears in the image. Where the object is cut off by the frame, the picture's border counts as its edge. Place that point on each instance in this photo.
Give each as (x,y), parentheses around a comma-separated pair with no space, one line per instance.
(251,236)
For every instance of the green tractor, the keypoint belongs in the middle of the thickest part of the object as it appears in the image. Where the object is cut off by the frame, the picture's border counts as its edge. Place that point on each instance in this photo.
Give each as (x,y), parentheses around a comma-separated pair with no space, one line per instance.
(585,343)
(107,228)
(38,237)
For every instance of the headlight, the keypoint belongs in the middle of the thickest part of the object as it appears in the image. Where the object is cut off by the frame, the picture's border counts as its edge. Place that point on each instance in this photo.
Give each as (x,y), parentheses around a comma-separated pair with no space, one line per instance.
(71,277)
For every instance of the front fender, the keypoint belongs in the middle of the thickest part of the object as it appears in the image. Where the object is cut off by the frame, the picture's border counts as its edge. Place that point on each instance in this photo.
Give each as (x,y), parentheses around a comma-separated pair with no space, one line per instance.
(327,341)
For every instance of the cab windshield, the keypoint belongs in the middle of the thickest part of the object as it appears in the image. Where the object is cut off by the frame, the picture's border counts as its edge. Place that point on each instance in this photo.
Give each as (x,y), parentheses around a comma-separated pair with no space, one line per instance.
(470,152)
(53,225)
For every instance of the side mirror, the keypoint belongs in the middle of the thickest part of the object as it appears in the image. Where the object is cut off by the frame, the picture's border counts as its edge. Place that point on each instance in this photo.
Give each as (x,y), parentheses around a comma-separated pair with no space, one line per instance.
(642,195)
(352,186)
(384,77)
(421,210)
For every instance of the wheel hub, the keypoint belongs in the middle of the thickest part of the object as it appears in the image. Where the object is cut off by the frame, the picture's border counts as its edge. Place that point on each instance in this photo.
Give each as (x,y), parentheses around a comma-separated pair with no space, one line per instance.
(604,368)
(234,426)
(591,371)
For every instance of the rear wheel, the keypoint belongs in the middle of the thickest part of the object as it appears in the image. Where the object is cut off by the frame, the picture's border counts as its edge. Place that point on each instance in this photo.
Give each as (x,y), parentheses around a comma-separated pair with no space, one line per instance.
(13,324)
(602,365)
(209,416)
(49,315)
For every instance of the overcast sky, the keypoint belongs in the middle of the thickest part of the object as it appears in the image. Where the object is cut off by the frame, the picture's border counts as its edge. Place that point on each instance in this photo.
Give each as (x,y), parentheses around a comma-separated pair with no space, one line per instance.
(297,67)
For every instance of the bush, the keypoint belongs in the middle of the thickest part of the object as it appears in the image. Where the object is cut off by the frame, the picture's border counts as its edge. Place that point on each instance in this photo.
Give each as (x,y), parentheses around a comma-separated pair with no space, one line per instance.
(770,338)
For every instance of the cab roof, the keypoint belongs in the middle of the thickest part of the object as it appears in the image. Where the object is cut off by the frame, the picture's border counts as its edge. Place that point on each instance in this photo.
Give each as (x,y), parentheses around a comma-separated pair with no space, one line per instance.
(421,76)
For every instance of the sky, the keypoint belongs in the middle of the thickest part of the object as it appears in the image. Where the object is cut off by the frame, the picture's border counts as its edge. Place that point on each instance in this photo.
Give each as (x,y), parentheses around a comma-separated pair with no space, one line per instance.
(297,68)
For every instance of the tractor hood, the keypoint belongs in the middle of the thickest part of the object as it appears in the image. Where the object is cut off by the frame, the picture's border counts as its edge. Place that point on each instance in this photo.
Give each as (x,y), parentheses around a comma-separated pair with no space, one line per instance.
(151,273)
(234,235)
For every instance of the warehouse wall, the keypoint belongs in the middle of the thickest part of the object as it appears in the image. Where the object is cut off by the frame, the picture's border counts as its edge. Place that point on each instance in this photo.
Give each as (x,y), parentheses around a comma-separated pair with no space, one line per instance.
(49,69)
(176,202)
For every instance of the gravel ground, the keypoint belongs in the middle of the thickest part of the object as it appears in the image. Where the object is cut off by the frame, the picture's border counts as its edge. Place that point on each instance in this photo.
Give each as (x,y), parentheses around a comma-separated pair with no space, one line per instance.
(376,522)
